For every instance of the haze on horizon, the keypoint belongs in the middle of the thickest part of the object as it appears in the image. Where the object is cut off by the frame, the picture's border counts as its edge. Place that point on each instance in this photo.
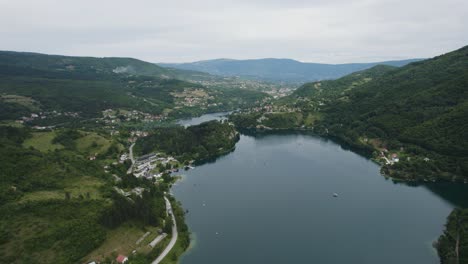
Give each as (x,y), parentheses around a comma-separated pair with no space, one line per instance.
(326,31)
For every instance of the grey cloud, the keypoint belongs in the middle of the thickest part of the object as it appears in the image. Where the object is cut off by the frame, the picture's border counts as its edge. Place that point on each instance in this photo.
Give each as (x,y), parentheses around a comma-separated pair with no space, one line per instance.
(184,30)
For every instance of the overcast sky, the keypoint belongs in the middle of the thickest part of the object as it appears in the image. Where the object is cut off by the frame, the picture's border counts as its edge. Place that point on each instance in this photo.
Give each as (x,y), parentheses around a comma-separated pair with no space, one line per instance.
(329,31)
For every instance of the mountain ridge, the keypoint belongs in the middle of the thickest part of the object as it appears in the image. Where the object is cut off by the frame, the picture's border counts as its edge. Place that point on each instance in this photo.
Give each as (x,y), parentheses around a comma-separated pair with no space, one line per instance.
(280,69)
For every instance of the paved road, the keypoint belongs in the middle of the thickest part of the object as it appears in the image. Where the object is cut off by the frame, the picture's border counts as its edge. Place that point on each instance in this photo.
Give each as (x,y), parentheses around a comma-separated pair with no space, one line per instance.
(131,158)
(157,240)
(174,234)
(131,153)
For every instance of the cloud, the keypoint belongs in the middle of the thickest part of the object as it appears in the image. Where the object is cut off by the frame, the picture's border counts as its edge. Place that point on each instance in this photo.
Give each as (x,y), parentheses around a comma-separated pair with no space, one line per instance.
(333,31)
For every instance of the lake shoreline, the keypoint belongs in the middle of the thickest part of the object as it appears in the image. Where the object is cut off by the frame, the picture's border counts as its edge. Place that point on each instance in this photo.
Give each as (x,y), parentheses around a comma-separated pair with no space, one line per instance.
(259,135)
(365,151)
(192,192)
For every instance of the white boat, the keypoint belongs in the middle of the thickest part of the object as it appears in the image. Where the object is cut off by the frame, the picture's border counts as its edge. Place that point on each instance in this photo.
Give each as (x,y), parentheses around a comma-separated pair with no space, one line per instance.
(335,195)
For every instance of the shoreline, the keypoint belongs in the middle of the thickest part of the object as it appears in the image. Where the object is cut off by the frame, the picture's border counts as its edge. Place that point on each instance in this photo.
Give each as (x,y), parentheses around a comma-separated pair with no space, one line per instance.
(365,151)
(186,256)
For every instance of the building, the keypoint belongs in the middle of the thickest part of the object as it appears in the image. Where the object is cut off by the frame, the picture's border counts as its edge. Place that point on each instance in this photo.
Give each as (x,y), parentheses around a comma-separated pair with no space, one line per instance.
(121,259)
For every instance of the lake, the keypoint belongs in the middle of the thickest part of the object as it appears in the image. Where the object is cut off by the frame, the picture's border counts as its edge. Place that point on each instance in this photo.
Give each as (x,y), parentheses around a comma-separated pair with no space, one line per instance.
(271,201)
(203,118)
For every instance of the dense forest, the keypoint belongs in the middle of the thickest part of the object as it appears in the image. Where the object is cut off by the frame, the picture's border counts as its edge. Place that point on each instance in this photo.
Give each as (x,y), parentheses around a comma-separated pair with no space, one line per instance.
(200,142)
(452,246)
(419,110)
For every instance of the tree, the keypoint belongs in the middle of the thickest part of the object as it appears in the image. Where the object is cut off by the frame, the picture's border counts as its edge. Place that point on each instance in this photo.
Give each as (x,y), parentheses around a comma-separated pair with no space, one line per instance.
(167,177)
(168,225)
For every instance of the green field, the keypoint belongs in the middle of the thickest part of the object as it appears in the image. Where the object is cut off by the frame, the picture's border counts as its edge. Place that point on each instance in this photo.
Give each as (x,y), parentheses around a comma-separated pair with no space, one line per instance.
(92,143)
(42,141)
(85,186)
(122,240)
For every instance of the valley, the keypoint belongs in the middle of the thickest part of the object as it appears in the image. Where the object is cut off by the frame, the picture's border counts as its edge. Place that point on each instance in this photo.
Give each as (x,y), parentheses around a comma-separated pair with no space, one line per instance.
(112,158)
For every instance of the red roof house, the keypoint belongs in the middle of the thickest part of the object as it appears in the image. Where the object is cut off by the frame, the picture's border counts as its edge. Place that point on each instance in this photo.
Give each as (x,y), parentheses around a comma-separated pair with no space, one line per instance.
(121,259)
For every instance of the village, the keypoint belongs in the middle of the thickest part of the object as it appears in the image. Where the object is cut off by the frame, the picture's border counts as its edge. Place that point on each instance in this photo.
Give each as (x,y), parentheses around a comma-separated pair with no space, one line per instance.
(46,115)
(151,166)
(271,109)
(116,116)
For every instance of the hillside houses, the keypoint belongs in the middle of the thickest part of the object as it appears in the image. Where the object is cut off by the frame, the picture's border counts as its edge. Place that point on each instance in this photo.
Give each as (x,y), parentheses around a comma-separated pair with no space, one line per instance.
(47,115)
(111,116)
(145,165)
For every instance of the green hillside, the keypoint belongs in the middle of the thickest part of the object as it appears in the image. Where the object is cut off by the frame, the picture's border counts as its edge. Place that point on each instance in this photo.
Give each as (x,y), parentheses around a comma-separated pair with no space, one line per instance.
(420,110)
(334,89)
(201,142)
(87,86)
(84,67)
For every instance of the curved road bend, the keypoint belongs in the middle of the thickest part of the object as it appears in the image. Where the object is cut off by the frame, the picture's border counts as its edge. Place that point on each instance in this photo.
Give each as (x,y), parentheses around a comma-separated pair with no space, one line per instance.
(174,234)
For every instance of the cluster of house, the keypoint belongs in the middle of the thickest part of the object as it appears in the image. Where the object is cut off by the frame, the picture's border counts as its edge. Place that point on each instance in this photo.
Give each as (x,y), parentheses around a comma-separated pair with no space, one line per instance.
(269,108)
(139,133)
(111,116)
(191,101)
(278,93)
(190,98)
(393,158)
(124,157)
(145,165)
(120,259)
(114,132)
(43,127)
(134,135)
(44,115)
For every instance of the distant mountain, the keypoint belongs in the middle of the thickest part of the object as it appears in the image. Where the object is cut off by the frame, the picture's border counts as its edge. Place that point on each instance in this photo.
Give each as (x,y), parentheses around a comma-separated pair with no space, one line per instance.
(286,70)
(86,67)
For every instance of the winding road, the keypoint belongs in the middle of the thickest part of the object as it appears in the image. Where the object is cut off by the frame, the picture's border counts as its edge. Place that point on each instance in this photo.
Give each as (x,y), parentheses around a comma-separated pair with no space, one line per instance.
(130,150)
(174,234)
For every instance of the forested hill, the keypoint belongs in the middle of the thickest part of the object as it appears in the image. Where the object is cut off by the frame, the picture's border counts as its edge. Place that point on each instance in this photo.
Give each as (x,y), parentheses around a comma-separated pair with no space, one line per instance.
(285,70)
(32,83)
(424,104)
(58,66)
(333,89)
(200,142)
(84,66)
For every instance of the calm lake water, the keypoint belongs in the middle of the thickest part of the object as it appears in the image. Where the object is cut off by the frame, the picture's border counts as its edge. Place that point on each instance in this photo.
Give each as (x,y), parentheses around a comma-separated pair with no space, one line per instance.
(203,118)
(271,201)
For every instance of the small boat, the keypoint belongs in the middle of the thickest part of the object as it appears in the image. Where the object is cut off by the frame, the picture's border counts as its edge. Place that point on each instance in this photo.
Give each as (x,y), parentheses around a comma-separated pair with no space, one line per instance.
(335,195)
